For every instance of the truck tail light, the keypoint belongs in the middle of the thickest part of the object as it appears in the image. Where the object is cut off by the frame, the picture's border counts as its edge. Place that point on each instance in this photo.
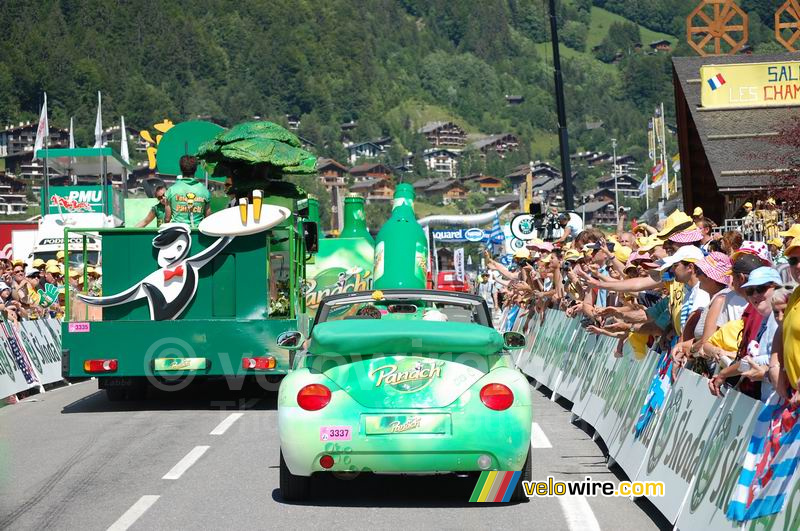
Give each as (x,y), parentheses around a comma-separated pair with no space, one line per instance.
(497,396)
(313,397)
(264,363)
(100,366)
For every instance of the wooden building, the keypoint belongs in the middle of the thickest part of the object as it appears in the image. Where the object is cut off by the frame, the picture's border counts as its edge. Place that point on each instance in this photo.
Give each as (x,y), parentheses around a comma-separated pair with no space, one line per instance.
(442,162)
(371,170)
(500,144)
(728,155)
(444,135)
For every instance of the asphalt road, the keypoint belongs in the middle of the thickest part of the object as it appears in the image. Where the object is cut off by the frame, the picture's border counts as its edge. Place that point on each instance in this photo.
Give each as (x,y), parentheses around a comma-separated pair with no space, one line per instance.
(207,458)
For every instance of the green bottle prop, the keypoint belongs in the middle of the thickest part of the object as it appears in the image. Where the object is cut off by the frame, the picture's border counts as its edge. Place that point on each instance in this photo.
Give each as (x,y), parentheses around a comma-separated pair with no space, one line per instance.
(313,212)
(401,252)
(355,221)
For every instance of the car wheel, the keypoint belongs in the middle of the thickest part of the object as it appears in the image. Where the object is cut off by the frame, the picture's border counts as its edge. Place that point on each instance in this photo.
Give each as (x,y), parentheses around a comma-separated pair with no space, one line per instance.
(293,488)
(526,474)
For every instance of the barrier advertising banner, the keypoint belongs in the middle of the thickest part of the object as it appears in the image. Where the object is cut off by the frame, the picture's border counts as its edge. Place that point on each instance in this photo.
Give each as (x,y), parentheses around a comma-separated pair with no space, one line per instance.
(694,442)
(30,355)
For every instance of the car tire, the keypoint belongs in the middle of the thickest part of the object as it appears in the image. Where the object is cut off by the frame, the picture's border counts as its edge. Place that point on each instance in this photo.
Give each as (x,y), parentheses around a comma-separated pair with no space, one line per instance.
(526,474)
(293,488)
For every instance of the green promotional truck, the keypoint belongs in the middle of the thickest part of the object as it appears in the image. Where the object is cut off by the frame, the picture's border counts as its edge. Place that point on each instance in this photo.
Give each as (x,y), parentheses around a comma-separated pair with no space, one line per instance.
(180,303)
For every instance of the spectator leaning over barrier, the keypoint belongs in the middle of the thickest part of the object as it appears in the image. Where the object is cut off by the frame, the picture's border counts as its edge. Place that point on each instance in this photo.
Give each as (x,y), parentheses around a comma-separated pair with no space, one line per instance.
(760,287)
(722,338)
(784,366)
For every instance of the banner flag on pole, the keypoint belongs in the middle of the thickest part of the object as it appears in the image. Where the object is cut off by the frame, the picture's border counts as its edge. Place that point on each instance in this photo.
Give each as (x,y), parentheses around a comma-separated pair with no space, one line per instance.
(651,140)
(658,173)
(123,143)
(43,130)
(98,124)
(71,134)
(676,163)
(643,187)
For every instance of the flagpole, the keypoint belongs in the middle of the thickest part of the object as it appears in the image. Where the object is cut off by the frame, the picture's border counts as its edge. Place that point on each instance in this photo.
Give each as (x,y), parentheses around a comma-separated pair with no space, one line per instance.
(665,183)
(46,186)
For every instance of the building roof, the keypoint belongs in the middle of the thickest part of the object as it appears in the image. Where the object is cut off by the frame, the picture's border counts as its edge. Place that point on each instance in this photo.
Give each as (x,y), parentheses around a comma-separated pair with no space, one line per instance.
(369,183)
(371,167)
(323,162)
(738,143)
(593,206)
(357,145)
(422,184)
(444,184)
(438,151)
(491,140)
(433,126)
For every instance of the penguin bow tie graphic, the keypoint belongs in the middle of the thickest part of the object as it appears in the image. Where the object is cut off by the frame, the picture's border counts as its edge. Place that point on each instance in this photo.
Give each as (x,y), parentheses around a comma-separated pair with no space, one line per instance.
(177,272)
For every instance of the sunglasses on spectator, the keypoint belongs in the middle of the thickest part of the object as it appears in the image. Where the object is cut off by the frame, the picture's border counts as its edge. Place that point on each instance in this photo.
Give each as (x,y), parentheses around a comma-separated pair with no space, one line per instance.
(160,196)
(758,289)
(19,272)
(793,260)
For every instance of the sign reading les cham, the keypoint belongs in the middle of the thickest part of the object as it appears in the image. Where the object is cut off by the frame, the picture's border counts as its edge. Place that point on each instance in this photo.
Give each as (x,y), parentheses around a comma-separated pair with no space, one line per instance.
(750,85)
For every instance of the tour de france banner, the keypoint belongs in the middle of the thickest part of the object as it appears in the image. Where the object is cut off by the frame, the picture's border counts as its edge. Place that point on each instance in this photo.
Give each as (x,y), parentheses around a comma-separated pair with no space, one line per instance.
(695,443)
(341,265)
(30,355)
(750,85)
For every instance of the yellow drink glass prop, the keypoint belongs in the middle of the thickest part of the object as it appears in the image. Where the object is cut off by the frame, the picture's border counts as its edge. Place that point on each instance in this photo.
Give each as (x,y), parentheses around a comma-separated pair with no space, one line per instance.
(257,195)
(243,210)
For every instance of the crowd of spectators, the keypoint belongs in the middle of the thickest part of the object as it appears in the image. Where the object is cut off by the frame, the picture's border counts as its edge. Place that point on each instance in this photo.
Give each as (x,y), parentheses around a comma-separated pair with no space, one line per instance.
(719,304)
(37,290)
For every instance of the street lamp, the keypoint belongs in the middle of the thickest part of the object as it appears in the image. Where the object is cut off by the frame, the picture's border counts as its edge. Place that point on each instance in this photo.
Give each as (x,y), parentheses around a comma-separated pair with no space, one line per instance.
(614,170)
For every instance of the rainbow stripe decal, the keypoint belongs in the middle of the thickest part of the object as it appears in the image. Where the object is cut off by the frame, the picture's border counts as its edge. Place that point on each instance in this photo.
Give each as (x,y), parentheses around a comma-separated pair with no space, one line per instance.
(495,487)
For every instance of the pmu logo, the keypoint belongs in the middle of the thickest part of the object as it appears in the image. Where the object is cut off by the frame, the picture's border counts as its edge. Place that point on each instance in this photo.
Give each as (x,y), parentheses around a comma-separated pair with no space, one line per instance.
(86,196)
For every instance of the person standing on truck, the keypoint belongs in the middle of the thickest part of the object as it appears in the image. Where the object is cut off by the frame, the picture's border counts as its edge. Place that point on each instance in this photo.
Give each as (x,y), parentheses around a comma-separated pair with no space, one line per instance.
(189,200)
(159,210)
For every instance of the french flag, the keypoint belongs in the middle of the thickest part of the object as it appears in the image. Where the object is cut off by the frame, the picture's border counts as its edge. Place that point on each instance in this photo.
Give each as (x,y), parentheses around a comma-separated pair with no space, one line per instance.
(716,81)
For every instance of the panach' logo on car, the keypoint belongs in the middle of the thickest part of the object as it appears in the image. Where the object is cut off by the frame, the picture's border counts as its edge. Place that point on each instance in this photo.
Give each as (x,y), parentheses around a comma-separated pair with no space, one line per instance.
(407,377)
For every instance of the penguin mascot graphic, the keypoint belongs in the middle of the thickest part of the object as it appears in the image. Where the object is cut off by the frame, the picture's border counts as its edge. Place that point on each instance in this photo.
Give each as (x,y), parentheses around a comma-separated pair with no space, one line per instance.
(170,289)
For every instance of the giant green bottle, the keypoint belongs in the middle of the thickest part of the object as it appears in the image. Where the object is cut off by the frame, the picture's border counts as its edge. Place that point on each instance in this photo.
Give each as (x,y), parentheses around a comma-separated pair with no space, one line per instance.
(355,222)
(401,252)
(313,212)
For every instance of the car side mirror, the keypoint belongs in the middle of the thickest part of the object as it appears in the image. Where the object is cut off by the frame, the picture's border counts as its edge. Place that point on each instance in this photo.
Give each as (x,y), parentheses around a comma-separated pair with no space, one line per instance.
(513,340)
(311,236)
(290,340)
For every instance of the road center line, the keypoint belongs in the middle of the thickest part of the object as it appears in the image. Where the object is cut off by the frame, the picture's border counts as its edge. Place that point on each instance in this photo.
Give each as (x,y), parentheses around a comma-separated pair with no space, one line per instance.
(184,464)
(578,514)
(538,438)
(223,426)
(134,513)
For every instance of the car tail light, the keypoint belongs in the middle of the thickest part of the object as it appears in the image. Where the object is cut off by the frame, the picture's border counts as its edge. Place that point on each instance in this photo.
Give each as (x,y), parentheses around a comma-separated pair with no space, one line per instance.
(326,461)
(313,397)
(260,364)
(497,396)
(100,365)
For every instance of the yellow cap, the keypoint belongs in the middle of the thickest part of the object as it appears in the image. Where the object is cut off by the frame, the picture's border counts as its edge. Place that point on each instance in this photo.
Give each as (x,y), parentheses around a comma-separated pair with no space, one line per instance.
(53,269)
(522,253)
(60,255)
(51,262)
(38,263)
(648,243)
(777,242)
(771,201)
(792,232)
(74,273)
(19,262)
(676,222)
(697,212)
(748,205)
(572,254)
(622,252)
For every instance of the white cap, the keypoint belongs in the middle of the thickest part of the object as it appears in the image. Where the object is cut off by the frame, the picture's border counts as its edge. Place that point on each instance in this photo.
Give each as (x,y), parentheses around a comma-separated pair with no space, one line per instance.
(687,253)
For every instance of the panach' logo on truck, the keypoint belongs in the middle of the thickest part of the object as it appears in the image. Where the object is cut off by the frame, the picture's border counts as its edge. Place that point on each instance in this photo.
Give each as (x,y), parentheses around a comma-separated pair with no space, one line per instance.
(407,376)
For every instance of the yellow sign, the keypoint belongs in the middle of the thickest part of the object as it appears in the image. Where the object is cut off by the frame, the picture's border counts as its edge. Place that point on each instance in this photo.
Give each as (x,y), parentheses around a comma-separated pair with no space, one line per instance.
(750,85)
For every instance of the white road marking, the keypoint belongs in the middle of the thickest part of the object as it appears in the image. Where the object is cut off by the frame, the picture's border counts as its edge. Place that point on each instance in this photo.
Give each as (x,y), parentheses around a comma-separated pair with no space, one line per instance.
(134,513)
(223,426)
(538,438)
(184,464)
(578,514)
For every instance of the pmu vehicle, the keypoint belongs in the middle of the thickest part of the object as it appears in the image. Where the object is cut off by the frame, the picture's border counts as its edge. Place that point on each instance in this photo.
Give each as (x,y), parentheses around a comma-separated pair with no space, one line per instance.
(403,381)
(180,303)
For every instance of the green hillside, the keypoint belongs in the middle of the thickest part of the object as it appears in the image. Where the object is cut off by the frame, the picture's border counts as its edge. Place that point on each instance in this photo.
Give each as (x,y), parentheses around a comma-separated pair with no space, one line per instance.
(601,22)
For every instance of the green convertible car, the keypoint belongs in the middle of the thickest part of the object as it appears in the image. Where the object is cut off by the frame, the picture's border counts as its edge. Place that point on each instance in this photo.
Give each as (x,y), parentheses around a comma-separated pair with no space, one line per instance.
(402,382)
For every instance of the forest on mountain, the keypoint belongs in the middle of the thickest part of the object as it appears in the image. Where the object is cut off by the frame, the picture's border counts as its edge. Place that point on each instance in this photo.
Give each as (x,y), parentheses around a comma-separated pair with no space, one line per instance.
(389,65)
